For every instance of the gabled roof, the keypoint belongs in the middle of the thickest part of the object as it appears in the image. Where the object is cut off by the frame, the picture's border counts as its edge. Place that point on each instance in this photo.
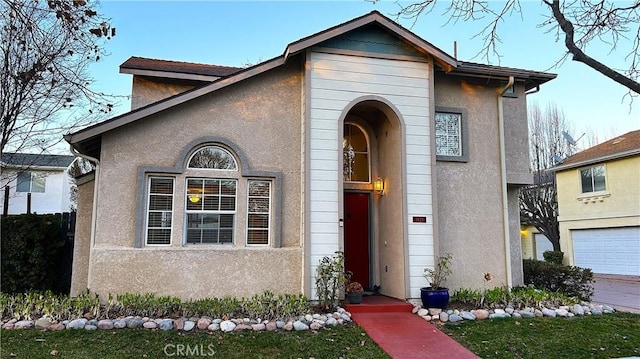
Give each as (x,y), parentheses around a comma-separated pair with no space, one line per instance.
(616,148)
(175,69)
(88,140)
(35,161)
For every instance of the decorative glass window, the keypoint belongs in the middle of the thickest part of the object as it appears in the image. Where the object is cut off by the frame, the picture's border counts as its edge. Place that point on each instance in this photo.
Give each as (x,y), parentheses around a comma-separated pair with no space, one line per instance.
(31,182)
(355,155)
(258,212)
(210,210)
(448,134)
(592,179)
(159,211)
(213,157)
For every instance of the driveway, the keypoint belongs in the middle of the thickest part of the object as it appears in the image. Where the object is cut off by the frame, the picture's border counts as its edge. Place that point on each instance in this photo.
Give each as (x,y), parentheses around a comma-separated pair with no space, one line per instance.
(618,291)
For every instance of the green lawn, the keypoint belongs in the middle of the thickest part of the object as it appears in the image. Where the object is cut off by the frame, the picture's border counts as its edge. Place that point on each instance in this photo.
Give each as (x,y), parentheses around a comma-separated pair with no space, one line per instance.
(338,342)
(604,336)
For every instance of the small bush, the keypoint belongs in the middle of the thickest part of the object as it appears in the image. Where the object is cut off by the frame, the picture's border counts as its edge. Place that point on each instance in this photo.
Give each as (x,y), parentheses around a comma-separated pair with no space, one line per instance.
(569,280)
(553,256)
(32,252)
(331,279)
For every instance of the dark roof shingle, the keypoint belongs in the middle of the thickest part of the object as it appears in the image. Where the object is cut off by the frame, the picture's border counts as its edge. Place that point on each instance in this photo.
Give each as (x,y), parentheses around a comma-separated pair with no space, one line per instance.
(26,160)
(142,63)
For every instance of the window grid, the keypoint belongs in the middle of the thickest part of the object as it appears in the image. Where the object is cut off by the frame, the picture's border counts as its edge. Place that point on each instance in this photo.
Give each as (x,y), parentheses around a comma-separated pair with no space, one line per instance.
(31,182)
(210,210)
(160,211)
(448,134)
(258,212)
(592,179)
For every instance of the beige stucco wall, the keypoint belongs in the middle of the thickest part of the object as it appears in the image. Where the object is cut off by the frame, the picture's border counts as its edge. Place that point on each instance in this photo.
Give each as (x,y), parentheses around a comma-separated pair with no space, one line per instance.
(617,206)
(145,91)
(470,216)
(82,238)
(252,117)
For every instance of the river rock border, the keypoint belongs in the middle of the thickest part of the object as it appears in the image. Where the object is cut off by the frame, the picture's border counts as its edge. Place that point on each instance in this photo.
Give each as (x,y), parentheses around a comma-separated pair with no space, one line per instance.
(301,323)
(455,315)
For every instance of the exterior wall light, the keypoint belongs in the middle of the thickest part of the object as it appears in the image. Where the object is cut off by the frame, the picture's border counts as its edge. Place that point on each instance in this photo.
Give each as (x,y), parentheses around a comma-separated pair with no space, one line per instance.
(194,198)
(378,186)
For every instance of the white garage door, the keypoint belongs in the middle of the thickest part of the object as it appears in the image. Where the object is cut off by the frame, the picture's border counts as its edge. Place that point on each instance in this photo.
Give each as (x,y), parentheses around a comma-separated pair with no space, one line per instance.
(543,244)
(608,250)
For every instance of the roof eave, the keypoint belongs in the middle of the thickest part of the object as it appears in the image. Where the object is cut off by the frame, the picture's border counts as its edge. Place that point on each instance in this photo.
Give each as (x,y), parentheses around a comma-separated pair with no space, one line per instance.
(615,156)
(168,74)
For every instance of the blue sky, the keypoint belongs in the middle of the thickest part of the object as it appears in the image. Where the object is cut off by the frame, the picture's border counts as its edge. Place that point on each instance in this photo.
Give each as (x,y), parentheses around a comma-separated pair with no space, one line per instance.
(239,33)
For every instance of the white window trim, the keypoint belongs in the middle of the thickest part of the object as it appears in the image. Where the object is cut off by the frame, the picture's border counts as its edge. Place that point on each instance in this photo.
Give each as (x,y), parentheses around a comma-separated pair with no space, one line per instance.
(146,229)
(270,214)
(366,136)
(582,194)
(186,211)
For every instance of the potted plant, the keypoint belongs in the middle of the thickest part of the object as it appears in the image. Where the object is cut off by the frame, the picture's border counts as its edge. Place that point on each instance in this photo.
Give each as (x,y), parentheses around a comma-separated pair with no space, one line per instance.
(437,295)
(354,292)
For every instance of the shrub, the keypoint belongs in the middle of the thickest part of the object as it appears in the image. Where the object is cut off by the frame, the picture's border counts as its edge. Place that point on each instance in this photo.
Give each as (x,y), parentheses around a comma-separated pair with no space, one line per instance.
(32,253)
(330,280)
(553,256)
(569,280)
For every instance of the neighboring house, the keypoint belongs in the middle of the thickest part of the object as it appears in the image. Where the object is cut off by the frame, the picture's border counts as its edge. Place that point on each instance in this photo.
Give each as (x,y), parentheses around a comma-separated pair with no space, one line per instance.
(599,206)
(41,177)
(534,243)
(363,137)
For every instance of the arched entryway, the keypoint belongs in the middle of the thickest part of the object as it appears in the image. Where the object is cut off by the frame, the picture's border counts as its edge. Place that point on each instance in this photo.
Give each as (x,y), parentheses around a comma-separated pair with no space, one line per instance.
(374,231)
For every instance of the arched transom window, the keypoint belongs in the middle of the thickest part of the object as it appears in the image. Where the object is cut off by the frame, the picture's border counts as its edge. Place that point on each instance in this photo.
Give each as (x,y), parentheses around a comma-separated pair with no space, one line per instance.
(355,154)
(213,157)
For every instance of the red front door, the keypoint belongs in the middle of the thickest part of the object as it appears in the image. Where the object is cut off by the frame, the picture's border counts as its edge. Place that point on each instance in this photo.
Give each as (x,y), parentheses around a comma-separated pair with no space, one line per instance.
(356,236)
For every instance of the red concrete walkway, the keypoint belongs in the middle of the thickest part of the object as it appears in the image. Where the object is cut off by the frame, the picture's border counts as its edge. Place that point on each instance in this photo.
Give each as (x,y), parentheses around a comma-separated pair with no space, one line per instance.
(390,323)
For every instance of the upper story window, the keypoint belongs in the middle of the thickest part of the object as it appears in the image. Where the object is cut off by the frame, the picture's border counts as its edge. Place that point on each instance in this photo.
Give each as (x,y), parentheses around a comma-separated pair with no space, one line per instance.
(450,135)
(355,154)
(592,179)
(213,157)
(31,182)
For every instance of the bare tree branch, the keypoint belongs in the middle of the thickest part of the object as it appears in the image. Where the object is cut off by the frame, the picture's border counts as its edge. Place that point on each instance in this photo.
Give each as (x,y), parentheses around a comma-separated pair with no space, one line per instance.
(46,48)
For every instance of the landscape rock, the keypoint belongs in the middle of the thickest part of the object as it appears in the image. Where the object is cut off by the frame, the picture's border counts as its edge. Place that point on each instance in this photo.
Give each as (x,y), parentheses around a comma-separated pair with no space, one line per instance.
(444,317)
(166,324)
(150,325)
(75,324)
(188,325)
(213,327)
(203,323)
(549,312)
(578,309)
(227,326)
(562,312)
(105,324)
(480,313)
(258,327)
(90,327)
(331,322)
(42,323)
(455,318)
(434,311)
(272,326)
(315,326)
(467,315)
(120,324)
(298,326)
(422,312)
(178,324)
(289,326)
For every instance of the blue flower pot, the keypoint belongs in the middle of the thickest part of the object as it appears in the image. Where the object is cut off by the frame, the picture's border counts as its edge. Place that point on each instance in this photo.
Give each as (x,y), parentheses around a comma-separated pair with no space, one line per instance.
(434,298)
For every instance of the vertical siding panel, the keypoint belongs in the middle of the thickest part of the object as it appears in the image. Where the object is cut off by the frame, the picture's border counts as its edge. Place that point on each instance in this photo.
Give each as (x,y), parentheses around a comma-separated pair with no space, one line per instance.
(335,81)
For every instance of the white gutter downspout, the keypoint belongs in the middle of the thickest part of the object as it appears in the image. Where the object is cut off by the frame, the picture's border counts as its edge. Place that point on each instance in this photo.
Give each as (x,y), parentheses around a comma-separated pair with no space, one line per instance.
(503,175)
(94,208)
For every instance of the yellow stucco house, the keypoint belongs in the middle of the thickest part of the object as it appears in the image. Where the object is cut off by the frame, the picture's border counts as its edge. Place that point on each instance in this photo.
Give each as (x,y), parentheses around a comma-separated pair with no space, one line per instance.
(534,243)
(599,206)
(363,137)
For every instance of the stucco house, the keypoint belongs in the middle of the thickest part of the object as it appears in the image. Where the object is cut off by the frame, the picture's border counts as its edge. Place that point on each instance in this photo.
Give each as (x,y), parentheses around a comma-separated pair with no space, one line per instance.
(35,183)
(363,137)
(599,206)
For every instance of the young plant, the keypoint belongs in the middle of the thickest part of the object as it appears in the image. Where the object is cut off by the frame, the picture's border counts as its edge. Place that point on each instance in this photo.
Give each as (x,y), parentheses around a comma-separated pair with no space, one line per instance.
(438,275)
(330,280)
